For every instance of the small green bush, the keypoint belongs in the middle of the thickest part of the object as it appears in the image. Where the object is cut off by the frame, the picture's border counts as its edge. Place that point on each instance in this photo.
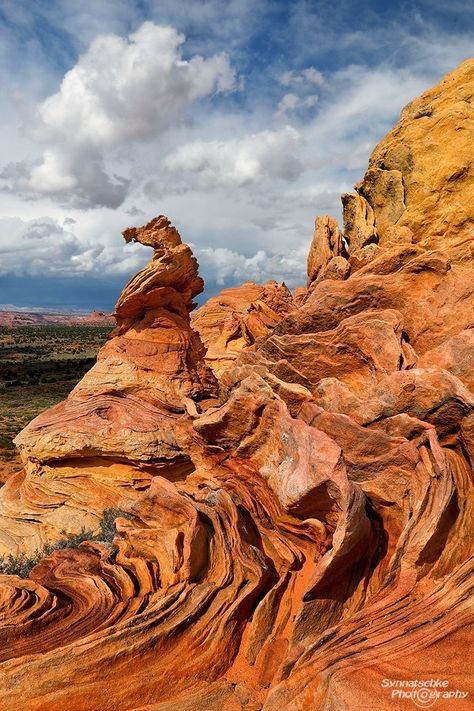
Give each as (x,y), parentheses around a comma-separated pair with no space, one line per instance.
(6,442)
(23,564)
(107,524)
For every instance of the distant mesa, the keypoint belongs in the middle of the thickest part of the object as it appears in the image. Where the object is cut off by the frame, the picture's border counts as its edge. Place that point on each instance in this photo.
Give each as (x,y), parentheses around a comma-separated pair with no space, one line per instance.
(13,319)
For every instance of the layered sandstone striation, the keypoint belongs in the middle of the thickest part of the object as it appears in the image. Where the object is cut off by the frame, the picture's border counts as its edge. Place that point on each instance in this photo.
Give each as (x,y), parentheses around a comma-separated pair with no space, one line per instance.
(298,529)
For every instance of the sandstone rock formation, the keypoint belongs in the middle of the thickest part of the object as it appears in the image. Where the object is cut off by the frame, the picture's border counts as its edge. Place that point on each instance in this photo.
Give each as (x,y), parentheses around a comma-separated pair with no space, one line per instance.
(299,531)
(98,445)
(234,319)
(419,184)
(325,258)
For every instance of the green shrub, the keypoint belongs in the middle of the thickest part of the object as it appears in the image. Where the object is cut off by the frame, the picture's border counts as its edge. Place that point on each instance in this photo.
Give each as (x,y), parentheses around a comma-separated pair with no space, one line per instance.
(6,442)
(23,564)
(107,524)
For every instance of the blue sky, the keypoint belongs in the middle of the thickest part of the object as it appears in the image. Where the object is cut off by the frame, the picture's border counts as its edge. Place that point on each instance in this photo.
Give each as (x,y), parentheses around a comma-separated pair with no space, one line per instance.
(240,120)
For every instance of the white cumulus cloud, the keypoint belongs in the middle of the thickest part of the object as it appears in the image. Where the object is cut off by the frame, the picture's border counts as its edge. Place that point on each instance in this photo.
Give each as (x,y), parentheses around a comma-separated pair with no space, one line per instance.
(45,246)
(223,266)
(121,90)
(236,162)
